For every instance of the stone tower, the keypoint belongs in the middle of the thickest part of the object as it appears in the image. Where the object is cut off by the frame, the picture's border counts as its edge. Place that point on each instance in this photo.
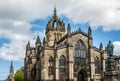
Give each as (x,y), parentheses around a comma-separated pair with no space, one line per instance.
(54,29)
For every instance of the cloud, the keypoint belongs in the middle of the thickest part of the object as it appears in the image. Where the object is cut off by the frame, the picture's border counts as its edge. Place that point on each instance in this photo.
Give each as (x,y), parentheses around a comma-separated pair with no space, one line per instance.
(98,12)
(18,33)
(116,47)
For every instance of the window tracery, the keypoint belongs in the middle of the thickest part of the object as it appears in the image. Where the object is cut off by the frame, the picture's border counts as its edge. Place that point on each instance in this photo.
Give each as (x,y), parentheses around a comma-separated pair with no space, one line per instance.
(79,53)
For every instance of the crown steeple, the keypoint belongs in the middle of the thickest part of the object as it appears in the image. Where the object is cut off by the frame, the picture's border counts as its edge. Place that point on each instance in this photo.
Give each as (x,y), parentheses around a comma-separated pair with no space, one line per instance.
(55,28)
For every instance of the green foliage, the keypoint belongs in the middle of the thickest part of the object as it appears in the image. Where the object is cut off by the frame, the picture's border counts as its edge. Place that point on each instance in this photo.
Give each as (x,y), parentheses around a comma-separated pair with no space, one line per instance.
(19,76)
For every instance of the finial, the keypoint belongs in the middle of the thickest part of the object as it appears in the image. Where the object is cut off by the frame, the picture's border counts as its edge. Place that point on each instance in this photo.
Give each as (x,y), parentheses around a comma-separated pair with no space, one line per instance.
(28,45)
(101,46)
(89,32)
(44,41)
(69,29)
(38,40)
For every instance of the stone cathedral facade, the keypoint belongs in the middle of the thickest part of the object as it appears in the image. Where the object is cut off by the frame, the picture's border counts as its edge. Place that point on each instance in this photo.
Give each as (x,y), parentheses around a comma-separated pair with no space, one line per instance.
(64,56)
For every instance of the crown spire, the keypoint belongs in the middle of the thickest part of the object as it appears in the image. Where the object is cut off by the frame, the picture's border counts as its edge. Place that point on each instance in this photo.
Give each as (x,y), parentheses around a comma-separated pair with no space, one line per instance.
(55,11)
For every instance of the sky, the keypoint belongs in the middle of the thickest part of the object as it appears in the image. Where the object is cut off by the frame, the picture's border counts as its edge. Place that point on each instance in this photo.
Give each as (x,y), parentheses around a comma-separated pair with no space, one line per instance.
(23,20)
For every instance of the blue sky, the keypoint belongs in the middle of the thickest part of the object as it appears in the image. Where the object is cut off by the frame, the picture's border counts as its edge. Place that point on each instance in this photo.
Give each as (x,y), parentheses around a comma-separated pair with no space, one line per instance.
(26,20)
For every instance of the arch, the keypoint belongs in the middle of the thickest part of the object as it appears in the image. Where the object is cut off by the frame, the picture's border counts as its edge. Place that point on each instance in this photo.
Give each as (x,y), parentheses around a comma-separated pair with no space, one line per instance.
(55,24)
(51,65)
(62,64)
(82,76)
(97,64)
(80,53)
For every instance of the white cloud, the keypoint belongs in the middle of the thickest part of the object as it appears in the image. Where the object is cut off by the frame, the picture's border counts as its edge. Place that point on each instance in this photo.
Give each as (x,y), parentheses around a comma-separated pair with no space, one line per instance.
(18,33)
(116,47)
(97,12)
(15,17)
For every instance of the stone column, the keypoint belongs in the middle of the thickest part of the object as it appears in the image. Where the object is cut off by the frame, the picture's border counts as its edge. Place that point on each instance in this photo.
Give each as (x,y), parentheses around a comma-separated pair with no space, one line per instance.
(71,73)
(70,63)
(56,69)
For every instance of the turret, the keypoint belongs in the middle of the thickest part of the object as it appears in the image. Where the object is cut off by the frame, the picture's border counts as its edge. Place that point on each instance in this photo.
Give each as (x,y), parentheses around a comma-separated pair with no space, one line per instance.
(28,49)
(89,37)
(69,29)
(11,68)
(54,28)
(44,41)
(101,47)
(28,45)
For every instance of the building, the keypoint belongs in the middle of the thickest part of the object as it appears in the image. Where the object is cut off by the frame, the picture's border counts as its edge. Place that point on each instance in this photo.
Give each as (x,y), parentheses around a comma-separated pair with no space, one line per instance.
(11,74)
(64,56)
(117,63)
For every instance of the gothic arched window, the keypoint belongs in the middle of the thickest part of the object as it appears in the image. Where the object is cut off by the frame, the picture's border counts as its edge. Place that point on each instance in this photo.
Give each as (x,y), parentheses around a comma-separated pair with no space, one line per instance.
(97,65)
(79,53)
(50,68)
(62,64)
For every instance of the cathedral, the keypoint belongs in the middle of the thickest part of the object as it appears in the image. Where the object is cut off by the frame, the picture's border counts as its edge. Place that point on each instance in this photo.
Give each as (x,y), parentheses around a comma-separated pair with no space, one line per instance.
(64,56)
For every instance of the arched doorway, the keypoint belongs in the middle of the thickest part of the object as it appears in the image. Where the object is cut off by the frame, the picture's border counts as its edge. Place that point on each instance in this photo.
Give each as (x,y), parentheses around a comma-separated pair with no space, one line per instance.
(82,76)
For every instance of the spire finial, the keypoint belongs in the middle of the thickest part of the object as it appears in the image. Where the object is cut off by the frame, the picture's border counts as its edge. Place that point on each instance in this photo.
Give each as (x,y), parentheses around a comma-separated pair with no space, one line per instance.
(55,10)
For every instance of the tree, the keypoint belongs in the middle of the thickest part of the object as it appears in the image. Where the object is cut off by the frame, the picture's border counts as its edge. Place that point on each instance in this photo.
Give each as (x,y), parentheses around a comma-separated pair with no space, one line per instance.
(19,76)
